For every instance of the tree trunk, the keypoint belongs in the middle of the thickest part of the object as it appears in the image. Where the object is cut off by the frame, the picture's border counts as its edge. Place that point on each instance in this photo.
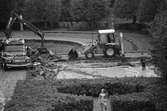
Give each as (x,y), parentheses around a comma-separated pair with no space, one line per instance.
(71,22)
(45,25)
(134,19)
(89,24)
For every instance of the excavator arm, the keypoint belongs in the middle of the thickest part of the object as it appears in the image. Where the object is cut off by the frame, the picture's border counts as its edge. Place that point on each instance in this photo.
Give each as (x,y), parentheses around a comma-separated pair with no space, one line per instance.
(14,17)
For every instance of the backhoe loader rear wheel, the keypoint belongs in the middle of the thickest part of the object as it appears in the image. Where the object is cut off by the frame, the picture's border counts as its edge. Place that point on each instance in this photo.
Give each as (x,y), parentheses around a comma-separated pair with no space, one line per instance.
(109,52)
(89,55)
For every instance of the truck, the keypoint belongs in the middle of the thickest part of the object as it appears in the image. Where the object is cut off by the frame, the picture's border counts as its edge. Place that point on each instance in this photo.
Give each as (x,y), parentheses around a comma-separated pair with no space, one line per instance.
(14,54)
(16,16)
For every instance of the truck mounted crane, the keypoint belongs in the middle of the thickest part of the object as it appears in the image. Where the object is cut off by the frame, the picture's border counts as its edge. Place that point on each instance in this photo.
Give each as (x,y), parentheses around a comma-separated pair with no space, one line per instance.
(15,16)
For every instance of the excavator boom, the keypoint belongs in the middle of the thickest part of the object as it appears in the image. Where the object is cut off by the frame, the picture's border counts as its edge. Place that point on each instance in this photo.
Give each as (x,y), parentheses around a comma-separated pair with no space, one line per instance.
(14,17)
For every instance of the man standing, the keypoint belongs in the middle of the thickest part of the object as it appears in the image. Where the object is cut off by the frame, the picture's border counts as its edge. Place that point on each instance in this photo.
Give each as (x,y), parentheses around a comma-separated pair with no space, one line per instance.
(73,55)
(143,64)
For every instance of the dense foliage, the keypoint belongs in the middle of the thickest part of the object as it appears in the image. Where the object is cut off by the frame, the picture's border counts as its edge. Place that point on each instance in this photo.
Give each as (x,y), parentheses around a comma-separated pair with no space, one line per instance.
(90,11)
(126,9)
(53,11)
(133,102)
(160,56)
(147,11)
(46,11)
(158,31)
(92,89)
(5,8)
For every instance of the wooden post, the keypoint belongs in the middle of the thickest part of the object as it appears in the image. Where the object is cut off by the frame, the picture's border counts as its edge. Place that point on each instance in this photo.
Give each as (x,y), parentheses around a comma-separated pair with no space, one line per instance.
(21,24)
(122,44)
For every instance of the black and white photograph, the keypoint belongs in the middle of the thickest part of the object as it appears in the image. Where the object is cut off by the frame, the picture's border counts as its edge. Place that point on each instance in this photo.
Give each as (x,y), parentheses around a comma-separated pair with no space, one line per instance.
(83,55)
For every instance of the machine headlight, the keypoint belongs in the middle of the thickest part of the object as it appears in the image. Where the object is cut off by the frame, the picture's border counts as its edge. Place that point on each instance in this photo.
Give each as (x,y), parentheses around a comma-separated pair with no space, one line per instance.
(27,59)
(36,63)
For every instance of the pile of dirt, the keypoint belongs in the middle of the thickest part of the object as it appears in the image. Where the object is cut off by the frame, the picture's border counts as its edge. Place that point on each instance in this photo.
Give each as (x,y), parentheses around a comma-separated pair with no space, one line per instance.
(48,71)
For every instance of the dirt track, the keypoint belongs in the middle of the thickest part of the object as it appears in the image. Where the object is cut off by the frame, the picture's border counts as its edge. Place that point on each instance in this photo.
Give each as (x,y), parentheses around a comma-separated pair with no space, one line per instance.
(108,69)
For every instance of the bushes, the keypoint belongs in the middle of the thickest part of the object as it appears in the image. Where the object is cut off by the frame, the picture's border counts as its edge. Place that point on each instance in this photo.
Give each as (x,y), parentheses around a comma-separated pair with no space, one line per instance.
(142,28)
(92,88)
(132,102)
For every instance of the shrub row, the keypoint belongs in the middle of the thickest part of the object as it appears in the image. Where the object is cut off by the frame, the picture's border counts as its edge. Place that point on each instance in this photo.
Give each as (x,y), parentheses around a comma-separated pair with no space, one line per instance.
(132,27)
(93,87)
(132,102)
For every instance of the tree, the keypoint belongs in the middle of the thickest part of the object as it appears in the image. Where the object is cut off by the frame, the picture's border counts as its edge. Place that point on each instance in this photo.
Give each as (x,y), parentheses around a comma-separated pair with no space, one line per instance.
(147,10)
(5,9)
(159,55)
(162,5)
(66,10)
(42,11)
(158,30)
(111,2)
(127,9)
(90,11)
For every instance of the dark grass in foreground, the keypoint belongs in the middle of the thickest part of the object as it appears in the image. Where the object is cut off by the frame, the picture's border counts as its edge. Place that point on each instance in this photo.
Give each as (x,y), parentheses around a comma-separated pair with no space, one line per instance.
(33,95)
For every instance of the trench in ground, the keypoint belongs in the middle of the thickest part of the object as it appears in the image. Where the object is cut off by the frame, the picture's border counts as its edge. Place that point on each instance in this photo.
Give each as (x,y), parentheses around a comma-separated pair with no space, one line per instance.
(56,46)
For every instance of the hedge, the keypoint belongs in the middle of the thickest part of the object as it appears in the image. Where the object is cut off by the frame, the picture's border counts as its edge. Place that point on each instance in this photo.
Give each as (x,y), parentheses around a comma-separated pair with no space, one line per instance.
(93,87)
(132,102)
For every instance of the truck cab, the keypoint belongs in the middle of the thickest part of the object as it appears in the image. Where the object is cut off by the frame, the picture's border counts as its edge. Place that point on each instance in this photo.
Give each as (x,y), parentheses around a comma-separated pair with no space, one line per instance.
(14,53)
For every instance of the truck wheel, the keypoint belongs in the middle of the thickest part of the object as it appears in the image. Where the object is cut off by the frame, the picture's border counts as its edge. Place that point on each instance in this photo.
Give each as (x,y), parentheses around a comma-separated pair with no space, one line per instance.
(109,52)
(89,55)
(5,68)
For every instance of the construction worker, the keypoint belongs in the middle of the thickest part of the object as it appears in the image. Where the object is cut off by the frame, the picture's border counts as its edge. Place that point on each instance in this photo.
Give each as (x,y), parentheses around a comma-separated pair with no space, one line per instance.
(110,38)
(1,46)
(143,64)
(72,54)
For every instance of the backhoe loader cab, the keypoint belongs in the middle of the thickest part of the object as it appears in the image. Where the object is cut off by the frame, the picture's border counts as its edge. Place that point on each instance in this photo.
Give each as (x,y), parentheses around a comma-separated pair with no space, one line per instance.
(107,43)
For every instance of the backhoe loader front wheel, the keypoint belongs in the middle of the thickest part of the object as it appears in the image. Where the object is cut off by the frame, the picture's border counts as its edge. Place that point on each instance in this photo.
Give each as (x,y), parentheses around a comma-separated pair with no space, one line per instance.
(4,67)
(89,55)
(109,52)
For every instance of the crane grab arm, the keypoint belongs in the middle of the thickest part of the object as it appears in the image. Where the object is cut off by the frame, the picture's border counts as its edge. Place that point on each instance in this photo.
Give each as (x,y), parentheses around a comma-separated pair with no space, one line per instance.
(34,29)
